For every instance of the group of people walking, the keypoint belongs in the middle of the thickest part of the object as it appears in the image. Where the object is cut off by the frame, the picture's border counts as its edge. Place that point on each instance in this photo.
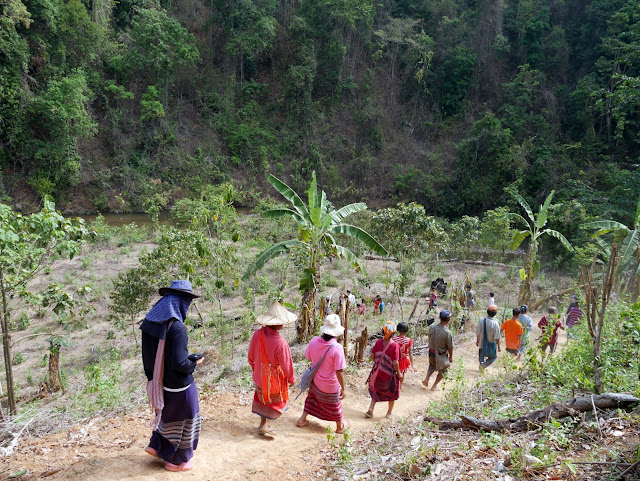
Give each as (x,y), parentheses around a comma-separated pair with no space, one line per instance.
(272,367)
(517,331)
(173,395)
(360,307)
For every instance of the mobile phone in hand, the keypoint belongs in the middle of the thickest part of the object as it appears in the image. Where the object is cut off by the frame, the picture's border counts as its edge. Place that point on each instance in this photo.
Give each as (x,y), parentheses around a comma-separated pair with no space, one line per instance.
(196,356)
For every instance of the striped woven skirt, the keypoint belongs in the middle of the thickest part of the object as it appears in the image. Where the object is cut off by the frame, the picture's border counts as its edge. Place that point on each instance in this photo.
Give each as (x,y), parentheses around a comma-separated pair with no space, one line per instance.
(177,436)
(385,389)
(270,411)
(322,405)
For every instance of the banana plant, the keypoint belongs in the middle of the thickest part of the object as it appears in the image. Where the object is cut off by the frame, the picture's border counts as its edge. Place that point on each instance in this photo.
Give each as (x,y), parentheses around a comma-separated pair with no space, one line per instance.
(318,225)
(534,230)
(629,240)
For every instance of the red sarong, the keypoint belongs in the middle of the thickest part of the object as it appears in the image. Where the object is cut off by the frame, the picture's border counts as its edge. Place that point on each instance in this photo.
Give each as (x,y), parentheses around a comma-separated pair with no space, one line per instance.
(322,405)
(269,411)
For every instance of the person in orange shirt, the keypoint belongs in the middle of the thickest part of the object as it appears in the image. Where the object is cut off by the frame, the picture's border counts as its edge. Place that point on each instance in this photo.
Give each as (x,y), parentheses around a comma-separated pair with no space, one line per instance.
(512,332)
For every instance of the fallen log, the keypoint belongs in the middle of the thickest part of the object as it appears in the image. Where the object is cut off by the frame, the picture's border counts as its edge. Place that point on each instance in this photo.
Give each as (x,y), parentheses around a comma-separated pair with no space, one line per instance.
(373,257)
(539,302)
(479,263)
(446,423)
(533,419)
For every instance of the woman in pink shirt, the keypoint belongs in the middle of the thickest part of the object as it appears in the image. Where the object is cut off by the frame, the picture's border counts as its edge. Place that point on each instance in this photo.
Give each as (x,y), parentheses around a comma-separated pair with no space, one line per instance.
(324,399)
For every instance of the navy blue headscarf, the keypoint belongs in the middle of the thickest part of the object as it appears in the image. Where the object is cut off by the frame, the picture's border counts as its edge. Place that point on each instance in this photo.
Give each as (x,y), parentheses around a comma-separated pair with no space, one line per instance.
(170,306)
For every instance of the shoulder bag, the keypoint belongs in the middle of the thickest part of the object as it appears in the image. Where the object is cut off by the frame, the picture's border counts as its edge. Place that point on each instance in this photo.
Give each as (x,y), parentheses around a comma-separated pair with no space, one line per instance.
(488,348)
(309,374)
(274,382)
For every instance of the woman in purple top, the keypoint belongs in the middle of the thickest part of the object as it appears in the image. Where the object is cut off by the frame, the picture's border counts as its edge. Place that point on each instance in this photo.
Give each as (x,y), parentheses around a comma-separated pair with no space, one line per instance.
(324,399)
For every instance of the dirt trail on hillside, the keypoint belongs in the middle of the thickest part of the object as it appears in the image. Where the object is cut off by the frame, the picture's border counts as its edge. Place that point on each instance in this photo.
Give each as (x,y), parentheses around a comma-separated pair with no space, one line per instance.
(229,447)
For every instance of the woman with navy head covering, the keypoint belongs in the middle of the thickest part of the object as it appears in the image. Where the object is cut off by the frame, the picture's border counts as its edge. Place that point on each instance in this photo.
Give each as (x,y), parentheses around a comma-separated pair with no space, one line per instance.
(170,387)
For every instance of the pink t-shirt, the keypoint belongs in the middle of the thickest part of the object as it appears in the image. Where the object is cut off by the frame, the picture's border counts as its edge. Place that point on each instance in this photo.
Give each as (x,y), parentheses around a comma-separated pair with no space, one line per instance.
(325,378)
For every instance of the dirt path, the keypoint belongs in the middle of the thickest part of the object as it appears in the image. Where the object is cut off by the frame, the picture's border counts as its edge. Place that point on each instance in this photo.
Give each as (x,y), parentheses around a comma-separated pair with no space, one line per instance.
(229,448)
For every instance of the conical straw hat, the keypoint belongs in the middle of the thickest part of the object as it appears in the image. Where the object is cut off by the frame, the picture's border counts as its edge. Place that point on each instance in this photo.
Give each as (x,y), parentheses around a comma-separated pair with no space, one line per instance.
(277,315)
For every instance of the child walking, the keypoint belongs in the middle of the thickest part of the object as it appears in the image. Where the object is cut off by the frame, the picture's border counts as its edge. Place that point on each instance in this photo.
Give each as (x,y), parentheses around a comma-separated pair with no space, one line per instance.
(433,299)
(406,354)
(492,299)
(362,307)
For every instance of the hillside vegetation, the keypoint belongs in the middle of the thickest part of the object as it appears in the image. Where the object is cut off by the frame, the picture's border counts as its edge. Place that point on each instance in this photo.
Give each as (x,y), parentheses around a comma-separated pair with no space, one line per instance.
(119,105)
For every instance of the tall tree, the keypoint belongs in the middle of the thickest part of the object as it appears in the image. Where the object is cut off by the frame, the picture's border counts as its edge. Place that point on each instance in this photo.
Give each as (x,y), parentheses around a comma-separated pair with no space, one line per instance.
(318,224)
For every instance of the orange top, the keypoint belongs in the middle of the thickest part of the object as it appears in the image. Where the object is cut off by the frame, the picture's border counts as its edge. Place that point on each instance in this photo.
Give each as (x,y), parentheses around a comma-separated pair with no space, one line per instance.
(512,332)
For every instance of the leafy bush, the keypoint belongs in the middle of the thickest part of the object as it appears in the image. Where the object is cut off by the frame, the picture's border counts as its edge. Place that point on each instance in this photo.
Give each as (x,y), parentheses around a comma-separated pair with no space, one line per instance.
(619,358)
(102,389)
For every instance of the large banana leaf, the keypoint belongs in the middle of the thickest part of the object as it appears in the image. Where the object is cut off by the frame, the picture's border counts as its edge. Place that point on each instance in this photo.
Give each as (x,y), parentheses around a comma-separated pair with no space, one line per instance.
(332,242)
(317,212)
(312,196)
(325,221)
(629,246)
(517,217)
(543,214)
(560,237)
(307,279)
(636,219)
(525,206)
(605,226)
(361,235)
(347,210)
(604,249)
(277,213)
(289,194)
(270,253)
(518,238)
(349,256)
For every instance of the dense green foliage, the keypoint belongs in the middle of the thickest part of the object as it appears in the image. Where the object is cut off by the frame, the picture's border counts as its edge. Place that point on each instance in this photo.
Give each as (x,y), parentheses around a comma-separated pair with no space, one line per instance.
(442,103)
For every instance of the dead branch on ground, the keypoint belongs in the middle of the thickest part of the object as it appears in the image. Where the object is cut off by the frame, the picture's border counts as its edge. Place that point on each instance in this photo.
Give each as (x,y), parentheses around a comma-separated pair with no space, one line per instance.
(533,419)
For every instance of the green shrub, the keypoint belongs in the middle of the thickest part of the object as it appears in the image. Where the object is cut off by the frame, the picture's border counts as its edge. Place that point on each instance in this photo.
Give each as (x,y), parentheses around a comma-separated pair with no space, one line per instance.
(21,323)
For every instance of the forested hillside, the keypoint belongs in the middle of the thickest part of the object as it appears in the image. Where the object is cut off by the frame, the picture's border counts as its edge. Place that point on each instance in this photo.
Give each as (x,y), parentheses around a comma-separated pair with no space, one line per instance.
(107,105)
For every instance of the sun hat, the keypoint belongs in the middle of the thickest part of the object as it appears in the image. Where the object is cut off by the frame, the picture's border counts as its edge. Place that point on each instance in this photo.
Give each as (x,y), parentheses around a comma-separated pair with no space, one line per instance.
(332,326)
(277,315)
(444,314)
(178,287)
(492,308)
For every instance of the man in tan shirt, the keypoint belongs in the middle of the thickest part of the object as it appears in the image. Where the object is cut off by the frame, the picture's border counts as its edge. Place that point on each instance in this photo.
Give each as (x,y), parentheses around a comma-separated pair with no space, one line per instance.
(440,349)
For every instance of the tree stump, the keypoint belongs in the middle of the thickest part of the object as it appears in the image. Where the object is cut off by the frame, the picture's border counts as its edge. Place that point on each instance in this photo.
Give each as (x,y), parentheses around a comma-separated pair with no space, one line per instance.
(362,345)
